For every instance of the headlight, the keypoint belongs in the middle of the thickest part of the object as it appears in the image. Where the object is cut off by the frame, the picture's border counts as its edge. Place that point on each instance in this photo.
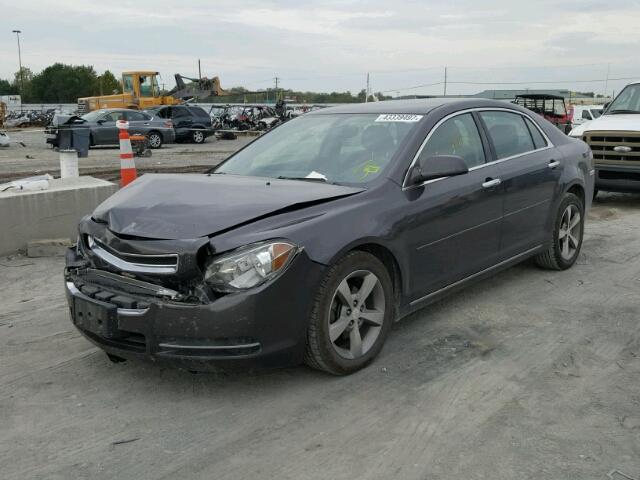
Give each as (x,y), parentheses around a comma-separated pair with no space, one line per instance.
(249,266)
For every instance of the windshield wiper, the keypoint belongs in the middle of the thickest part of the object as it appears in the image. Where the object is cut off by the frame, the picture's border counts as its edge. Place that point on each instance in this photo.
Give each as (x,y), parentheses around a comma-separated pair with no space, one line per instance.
(307,179)
(622,111)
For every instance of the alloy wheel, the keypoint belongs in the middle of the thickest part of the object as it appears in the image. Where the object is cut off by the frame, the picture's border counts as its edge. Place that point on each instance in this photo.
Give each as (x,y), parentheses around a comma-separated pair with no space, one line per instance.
(198,137)
(569,232)
(154,140)
(356,314)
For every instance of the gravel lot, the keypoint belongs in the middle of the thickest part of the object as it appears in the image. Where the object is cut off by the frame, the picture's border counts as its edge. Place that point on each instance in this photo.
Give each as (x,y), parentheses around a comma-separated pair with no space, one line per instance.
(531,374)
(37,157)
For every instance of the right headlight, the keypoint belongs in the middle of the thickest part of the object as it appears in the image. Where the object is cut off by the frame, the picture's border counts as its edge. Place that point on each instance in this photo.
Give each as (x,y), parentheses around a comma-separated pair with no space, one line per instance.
(249,266)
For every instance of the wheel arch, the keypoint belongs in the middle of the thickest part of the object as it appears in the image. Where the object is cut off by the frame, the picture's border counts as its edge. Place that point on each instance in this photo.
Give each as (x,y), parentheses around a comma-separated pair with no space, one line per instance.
(388,259)
(578,190)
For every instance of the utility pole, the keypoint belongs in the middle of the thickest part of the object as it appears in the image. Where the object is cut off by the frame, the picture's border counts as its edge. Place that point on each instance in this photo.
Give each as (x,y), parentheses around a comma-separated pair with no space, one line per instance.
(606,82)
(445,81)
(366,93)
(276,79)
(199,71)
(18,32)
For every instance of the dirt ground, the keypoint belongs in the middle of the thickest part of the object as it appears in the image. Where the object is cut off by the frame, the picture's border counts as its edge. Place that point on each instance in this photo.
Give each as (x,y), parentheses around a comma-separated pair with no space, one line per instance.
(38,157)
(529,375)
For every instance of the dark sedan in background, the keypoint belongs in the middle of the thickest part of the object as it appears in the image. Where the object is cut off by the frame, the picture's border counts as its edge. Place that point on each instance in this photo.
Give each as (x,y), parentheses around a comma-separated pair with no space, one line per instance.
(190,122)
(311,241)
(103,130)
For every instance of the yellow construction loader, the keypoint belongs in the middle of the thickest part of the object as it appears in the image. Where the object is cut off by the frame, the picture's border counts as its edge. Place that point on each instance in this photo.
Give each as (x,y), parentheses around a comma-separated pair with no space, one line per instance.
(140,90)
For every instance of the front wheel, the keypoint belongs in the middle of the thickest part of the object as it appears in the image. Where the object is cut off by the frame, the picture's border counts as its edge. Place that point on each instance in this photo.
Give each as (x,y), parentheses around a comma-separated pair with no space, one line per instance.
(351,316)
(567,235)
(155,139)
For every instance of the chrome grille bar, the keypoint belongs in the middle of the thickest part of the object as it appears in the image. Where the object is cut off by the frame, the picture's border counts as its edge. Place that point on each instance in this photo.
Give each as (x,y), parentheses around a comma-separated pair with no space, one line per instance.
(158,264)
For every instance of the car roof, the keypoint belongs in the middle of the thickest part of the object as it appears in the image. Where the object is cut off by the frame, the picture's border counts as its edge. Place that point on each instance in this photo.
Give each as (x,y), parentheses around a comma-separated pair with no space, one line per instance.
(419,106)
(109,110)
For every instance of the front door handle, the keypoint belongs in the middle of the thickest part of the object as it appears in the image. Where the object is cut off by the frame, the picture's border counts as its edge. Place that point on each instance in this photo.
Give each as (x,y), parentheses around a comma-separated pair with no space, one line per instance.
(554,163)
(491,182)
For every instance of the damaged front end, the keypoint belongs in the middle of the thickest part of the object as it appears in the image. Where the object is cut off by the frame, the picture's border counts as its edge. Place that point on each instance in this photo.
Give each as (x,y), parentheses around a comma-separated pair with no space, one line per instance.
(146,298)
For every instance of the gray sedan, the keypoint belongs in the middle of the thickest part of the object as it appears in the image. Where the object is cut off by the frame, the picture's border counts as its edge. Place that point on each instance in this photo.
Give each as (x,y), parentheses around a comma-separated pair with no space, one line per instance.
(104,131)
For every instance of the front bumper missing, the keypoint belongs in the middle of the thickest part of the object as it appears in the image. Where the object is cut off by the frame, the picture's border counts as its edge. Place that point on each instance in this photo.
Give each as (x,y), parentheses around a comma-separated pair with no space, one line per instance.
(129,318)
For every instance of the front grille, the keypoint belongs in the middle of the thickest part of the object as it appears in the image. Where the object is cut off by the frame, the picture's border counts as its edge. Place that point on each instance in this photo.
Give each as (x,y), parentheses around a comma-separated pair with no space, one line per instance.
(151,264)
(604,144)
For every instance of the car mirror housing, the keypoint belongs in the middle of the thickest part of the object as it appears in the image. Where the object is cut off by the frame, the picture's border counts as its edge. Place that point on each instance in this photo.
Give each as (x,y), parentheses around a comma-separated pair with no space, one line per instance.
(439,166)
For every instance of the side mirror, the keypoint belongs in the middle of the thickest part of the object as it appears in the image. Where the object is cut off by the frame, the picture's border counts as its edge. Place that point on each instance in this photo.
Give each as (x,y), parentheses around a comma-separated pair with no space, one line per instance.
(438,166)
(100,122)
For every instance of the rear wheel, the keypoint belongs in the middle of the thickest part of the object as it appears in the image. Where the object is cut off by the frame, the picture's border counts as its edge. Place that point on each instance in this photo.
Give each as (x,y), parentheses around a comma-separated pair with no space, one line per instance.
(566,236)
(197,136)
(351,316)
(155,139)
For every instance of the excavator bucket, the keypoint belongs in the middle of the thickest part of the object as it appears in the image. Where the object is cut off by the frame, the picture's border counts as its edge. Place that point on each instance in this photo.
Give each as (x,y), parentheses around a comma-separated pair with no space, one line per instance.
(197,88)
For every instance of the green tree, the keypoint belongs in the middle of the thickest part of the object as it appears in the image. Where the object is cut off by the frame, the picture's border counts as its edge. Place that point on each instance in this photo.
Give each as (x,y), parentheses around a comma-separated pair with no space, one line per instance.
(6,88)
(22,84)
(61,83)
(108,84)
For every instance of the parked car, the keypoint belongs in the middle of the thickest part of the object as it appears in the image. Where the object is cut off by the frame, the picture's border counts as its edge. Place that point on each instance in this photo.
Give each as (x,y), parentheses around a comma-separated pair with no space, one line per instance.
(614,138)
(312,240)
(191,123)
(585,113)
(102,124)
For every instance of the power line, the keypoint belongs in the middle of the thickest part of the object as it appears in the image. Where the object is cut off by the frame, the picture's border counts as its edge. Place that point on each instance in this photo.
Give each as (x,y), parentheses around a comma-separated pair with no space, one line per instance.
(461,82)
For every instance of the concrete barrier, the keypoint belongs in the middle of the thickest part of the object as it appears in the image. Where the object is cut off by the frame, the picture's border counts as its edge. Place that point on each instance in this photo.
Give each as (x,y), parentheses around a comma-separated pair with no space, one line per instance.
(54,213)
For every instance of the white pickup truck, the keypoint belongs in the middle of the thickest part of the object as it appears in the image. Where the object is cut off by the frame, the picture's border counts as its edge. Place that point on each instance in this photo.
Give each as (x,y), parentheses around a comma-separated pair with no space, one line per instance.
(614,139)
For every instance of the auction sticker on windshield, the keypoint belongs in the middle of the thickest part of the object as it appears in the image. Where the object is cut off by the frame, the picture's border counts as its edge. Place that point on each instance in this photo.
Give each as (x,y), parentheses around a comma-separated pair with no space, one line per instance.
(399,117)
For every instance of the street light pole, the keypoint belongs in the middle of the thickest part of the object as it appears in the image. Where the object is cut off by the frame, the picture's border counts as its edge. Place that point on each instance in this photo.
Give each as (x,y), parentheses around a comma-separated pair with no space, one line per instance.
(18,32)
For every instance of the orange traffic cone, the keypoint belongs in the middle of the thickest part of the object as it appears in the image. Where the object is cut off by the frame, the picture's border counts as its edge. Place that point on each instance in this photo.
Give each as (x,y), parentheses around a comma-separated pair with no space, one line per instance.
(127,165)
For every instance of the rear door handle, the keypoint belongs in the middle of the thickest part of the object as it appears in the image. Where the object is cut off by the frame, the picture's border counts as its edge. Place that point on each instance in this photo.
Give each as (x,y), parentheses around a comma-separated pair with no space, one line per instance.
(491,182)
(554,163)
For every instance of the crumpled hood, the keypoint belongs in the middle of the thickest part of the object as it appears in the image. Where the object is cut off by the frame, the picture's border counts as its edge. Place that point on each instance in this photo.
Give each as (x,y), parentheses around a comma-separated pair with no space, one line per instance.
(185,206)
(620,122)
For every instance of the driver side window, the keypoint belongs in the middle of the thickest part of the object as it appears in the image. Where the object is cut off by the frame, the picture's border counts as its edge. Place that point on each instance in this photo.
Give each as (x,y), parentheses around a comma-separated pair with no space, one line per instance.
(457,136)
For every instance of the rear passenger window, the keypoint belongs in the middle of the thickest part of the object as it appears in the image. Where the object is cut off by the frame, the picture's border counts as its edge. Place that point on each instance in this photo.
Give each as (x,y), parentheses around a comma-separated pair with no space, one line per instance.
(457,136)
(179,112)
(538,139)
(199,112)
(136,116)
(508,132)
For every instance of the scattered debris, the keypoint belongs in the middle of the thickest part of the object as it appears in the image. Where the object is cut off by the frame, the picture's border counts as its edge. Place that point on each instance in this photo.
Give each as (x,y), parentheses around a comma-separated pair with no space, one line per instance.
(38,182)
(122,442)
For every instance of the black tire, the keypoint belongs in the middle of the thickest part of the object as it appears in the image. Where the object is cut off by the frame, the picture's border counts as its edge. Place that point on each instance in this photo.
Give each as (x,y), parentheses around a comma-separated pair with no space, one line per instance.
(155,139)
(553,258)
(198,136)
(321,353)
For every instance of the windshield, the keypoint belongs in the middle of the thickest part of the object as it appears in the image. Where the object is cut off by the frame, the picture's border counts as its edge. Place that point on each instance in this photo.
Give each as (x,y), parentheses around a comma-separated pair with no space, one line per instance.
(627,102)
(127,84)
(337,148)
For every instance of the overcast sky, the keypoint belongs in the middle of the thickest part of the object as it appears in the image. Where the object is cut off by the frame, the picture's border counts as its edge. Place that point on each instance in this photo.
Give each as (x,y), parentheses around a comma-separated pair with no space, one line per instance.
(331,45)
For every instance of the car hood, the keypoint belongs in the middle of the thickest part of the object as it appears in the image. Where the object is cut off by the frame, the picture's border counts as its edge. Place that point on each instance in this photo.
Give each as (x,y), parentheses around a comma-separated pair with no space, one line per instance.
(620,122)
(184,206)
